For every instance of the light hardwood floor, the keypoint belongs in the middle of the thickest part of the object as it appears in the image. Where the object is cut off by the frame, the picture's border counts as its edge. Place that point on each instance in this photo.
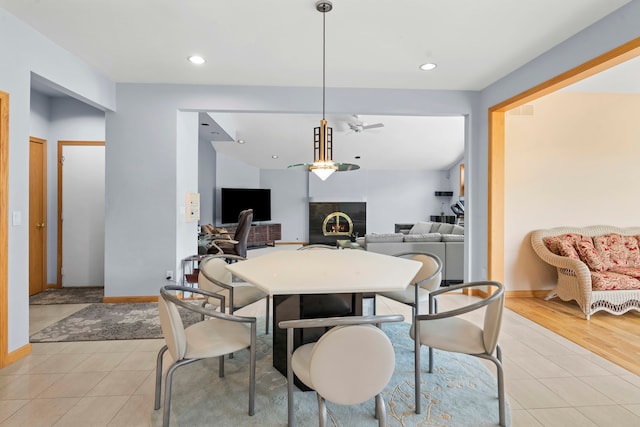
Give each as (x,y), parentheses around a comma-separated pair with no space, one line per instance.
(613,337)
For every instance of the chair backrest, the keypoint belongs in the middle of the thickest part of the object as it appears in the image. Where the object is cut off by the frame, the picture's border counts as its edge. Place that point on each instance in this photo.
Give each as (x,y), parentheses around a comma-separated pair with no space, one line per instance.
(351,364)
(430,265)
(316,246)
(172,327)
(242,231)
(216,269)
(493,320)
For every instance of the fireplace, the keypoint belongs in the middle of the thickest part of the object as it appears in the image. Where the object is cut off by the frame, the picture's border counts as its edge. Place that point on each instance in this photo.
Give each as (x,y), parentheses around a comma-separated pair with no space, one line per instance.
(331,221)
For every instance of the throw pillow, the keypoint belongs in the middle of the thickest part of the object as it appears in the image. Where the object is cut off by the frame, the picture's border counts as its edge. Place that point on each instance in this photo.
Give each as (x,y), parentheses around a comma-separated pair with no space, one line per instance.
(421,227)
(563,244)
(445,228)
(457,229)
(618,250)
(426,237)
(590,256)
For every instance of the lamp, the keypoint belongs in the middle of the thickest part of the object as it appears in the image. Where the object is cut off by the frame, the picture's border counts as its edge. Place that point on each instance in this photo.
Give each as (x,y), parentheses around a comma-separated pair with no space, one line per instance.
(323,165)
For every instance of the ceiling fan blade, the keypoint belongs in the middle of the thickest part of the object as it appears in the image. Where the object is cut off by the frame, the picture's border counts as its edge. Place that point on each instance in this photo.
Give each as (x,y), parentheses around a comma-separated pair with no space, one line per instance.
(373,126)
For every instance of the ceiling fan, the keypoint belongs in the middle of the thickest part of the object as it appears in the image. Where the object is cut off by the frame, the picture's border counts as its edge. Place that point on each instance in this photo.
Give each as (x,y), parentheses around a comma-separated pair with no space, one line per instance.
(357,125)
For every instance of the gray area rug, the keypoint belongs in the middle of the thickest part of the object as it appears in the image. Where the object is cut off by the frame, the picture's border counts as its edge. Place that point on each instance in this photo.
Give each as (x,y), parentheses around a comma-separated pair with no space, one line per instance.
(84,295)
(461,392)
(98,322)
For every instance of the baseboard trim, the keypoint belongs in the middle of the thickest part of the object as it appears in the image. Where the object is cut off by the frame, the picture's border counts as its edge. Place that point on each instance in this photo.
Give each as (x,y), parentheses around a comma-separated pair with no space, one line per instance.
(18,354)
(527,294)
(121,300)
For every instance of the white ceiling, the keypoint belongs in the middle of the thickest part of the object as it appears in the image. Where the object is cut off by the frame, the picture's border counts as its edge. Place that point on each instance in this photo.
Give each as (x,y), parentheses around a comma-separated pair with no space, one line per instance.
(370,44)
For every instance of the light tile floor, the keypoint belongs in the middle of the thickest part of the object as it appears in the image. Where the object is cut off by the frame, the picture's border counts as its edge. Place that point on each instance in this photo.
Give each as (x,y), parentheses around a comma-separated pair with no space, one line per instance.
(549,380)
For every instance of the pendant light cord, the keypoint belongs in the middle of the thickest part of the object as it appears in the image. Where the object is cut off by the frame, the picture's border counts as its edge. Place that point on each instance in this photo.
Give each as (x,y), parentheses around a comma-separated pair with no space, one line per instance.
(324,14)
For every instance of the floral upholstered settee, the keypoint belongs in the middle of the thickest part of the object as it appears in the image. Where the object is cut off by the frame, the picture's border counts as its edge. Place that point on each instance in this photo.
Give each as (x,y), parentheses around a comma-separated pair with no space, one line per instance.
(598,266)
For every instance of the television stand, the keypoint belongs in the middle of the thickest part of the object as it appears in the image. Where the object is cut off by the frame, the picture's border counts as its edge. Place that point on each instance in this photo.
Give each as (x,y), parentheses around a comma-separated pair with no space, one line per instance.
(260,234)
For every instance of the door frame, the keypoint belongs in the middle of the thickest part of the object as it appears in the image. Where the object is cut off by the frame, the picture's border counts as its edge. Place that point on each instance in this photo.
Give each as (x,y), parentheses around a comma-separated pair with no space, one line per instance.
(61,145)
(33,139)
(4,225)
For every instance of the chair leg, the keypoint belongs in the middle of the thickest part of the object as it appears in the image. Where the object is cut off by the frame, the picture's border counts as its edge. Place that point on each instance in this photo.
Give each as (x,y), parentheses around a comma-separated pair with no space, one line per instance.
(500,377)
(430,360)
(221,366)
(159,376)
(252,372)
(290,415)
(500,373)
(416,353)
(166,414)
(322,411)
(381,411)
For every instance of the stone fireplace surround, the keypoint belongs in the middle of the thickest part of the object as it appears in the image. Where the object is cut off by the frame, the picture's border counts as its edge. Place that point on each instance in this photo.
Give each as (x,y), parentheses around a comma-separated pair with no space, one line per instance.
(331,221)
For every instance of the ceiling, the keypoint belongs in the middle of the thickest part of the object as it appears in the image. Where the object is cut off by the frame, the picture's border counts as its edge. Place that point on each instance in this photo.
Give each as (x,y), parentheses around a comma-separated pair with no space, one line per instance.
(369,44)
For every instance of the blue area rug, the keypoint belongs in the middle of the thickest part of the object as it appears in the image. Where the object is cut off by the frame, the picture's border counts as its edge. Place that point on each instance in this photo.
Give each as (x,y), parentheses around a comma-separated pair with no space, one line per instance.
(461,392)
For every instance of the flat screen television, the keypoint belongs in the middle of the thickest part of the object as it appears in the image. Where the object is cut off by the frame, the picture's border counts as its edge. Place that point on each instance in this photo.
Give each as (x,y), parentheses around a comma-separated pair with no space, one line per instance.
(234,200)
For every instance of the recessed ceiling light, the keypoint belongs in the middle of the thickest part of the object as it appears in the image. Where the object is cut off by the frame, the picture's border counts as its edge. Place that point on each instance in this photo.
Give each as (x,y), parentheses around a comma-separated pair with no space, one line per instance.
(198,60)
(240,141)
(275,156)
(428,66)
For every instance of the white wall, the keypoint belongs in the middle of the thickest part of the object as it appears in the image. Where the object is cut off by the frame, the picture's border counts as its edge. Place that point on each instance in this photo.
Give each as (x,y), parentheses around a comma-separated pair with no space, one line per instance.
(392,196)
(206,181)
(574,162)
(186,182)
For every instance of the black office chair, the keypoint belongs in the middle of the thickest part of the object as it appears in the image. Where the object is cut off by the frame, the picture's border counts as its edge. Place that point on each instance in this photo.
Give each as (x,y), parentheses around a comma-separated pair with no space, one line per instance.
(237,245)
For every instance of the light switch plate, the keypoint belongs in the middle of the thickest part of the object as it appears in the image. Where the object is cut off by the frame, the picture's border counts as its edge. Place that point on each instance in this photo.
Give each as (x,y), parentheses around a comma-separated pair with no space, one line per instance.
(17,218)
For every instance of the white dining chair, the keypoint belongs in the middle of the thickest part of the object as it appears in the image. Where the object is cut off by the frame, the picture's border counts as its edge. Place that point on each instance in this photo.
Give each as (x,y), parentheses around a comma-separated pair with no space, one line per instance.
(217,336)
(348,365)
(447,331)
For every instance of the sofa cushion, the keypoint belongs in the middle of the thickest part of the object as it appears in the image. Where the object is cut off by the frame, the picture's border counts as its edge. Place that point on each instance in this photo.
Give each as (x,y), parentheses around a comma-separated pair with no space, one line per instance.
(590,256)
(617,250)
(426,237)
(384,237)
(443,228)
(457,229)
(627,271)
(609,280)
(564,244)
(421,227)
(452,238)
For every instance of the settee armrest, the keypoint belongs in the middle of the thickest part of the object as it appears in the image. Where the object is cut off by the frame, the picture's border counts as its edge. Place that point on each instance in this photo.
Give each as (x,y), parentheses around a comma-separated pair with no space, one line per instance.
(564,264)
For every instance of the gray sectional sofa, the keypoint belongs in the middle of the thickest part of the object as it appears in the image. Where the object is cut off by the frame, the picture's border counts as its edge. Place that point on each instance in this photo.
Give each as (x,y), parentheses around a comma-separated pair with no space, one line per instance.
(444,240)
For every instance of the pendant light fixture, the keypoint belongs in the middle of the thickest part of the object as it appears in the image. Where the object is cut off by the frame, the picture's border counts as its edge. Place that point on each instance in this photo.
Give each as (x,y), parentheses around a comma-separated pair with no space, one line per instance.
(323,165)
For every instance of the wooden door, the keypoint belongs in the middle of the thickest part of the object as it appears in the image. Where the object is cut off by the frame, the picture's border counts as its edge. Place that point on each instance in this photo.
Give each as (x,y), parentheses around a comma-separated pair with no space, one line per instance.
(37,215)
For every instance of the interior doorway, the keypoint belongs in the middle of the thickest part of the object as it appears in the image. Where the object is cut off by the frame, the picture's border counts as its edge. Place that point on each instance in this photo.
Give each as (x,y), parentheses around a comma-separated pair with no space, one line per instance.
(81,194)
(37,215)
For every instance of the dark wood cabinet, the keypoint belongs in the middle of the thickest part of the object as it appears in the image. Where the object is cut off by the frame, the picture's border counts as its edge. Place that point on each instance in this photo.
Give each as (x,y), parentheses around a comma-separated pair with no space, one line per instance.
(260,234)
